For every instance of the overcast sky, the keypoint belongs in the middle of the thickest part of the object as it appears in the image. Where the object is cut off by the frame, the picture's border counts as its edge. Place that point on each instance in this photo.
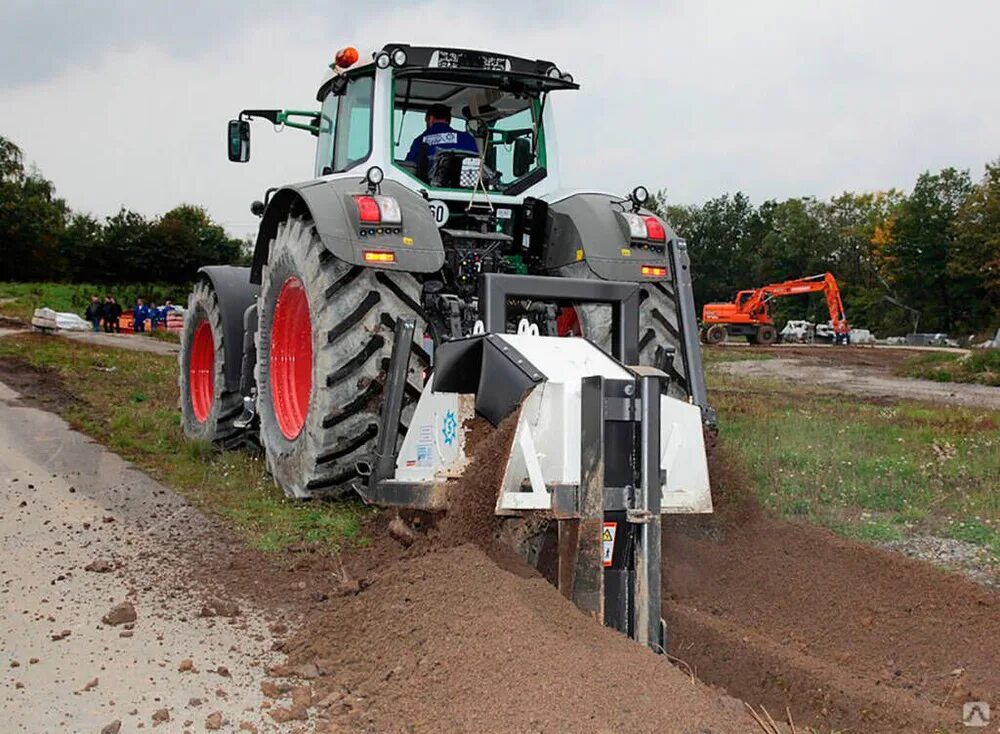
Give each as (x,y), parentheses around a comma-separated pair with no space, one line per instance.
(124,103)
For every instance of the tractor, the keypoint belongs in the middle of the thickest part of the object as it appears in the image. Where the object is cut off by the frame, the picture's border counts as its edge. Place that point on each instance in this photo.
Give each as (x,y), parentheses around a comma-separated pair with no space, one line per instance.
(375,319)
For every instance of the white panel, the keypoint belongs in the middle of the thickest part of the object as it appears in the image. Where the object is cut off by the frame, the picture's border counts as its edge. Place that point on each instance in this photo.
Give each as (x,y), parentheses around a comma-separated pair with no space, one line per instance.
(682,454)
(564,358)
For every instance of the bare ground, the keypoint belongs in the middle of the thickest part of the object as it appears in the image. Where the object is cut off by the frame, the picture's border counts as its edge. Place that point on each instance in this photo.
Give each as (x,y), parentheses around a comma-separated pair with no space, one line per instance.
(863,371)
(450,634)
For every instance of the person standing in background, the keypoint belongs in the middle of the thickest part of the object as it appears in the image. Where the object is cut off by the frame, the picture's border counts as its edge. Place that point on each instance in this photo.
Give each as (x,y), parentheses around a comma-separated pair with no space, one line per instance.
(139,315)
(154,317)
(94,312)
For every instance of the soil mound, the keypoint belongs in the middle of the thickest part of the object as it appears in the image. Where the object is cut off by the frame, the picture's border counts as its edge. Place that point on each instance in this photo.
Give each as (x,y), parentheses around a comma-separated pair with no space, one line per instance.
(448,641)
(849,636)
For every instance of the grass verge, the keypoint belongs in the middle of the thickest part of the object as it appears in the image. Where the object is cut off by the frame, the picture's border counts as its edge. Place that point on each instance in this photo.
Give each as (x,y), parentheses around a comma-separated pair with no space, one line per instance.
(980,366)
(128,401)
(870,471)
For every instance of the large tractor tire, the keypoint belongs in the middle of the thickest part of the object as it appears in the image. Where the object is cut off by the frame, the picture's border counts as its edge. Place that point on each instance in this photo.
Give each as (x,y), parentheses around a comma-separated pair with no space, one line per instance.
(323,344)
(658,327)
(208,409)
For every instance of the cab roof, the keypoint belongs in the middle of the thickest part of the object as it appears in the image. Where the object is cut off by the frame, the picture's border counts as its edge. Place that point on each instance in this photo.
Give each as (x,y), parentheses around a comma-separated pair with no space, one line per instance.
(464,67)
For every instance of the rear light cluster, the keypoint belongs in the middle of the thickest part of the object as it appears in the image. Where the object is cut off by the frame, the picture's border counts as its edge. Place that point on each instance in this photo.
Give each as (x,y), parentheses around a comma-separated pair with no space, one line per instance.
(645,228)
(380,256)
(378,209)
(654,271)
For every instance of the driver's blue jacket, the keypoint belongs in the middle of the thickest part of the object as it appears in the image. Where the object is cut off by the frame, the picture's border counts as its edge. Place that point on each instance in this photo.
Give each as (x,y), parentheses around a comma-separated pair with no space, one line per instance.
(441,136)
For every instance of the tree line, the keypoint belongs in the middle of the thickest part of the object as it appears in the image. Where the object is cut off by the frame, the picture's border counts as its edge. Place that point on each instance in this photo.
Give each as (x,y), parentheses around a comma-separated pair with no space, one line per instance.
(930,257)
(42,239)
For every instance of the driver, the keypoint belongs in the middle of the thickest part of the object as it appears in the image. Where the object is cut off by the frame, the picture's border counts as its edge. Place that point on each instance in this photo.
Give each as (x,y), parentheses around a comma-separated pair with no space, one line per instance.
(440,135)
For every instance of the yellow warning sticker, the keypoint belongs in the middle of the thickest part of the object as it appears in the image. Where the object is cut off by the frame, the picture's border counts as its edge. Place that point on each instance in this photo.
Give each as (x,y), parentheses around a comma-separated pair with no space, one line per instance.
(579,254)
(608,542)
(407,240)
(626,252)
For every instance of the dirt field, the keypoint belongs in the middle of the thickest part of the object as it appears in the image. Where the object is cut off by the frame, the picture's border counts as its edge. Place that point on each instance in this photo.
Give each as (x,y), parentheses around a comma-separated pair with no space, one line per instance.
(859,370)
(447,632)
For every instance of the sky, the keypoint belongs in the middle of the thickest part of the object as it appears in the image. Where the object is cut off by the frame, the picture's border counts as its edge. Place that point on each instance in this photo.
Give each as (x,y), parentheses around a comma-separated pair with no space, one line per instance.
(125,103)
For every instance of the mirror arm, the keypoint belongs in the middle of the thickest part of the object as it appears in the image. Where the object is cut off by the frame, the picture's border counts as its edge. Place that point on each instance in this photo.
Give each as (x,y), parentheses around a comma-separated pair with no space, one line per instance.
(282,117)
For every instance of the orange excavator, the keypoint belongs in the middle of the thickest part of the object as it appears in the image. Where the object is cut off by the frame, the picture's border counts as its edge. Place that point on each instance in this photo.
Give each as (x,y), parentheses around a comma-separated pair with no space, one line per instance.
(748,315)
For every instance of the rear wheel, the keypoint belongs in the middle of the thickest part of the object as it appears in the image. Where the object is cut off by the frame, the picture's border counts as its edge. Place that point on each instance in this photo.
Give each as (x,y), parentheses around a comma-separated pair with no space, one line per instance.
(323,343)
(715,334)
(766,335)
(659,334)
(208,409)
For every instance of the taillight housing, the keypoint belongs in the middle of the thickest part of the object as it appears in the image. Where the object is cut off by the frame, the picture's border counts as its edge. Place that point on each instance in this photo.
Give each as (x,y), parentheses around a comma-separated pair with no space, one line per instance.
(378,209)
(645,227)
(654,271)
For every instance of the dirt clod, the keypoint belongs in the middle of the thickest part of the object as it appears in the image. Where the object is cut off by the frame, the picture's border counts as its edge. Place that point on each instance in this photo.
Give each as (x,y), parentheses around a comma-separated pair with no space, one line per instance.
(121,613)
(185,666)
(160,716)
(219,608)
(401,532)
(113,728)
(99,565)
(213,721)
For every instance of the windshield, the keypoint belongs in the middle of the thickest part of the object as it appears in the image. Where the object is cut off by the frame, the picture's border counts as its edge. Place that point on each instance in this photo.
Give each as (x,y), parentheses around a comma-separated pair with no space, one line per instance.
(500,122)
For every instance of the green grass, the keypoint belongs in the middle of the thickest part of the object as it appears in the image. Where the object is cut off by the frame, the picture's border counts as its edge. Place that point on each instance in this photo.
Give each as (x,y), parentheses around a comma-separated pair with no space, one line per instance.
(980,366)
(716,355)
(868,471)
(19,300)
(132,409)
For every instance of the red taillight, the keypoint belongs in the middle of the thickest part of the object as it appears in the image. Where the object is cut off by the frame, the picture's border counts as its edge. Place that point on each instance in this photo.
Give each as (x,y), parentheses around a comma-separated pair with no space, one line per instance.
(654,230)
(368,209)
(654,271)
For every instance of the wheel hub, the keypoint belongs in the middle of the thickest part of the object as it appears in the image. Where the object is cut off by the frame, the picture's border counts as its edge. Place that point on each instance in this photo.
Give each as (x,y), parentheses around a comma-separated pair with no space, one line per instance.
(291,358)
(201,371)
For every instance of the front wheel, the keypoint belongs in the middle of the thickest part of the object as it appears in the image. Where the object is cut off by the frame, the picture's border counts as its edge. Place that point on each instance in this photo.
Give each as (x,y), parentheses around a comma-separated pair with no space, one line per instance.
(208,409)
(715,334)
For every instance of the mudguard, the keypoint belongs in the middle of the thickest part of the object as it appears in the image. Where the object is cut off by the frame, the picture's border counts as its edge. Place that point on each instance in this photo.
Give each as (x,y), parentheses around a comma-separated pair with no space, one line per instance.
(236,294)
(416,243)
(585,226)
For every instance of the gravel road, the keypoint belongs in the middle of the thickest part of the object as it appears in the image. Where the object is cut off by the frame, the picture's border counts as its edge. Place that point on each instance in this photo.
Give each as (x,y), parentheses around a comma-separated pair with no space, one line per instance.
(68,504)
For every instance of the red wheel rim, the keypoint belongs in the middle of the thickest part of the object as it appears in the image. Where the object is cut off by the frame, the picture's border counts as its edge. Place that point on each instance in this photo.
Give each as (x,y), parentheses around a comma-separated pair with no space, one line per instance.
(568,322)
(201,371)
(291,358)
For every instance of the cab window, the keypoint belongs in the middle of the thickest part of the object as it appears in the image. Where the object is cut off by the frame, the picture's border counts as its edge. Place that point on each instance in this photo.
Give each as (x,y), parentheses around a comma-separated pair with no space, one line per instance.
(503,122)
(353,136)
(345,127)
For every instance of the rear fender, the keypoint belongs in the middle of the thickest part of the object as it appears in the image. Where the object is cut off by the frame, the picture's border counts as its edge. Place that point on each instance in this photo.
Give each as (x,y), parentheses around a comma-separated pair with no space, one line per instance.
(416,243)
(586,226)
(235,294)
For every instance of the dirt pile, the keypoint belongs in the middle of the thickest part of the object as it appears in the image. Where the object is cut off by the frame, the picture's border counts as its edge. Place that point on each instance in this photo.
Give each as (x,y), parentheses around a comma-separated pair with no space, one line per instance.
(449,641)
(850,637)
(455,634)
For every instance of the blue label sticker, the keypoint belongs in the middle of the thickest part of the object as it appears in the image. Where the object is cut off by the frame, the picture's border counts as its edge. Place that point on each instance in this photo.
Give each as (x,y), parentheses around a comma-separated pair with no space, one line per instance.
(449,427)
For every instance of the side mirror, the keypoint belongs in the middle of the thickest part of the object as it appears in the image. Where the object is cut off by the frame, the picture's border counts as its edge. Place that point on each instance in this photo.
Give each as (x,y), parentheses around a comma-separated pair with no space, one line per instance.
(522,157)
(239,141)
